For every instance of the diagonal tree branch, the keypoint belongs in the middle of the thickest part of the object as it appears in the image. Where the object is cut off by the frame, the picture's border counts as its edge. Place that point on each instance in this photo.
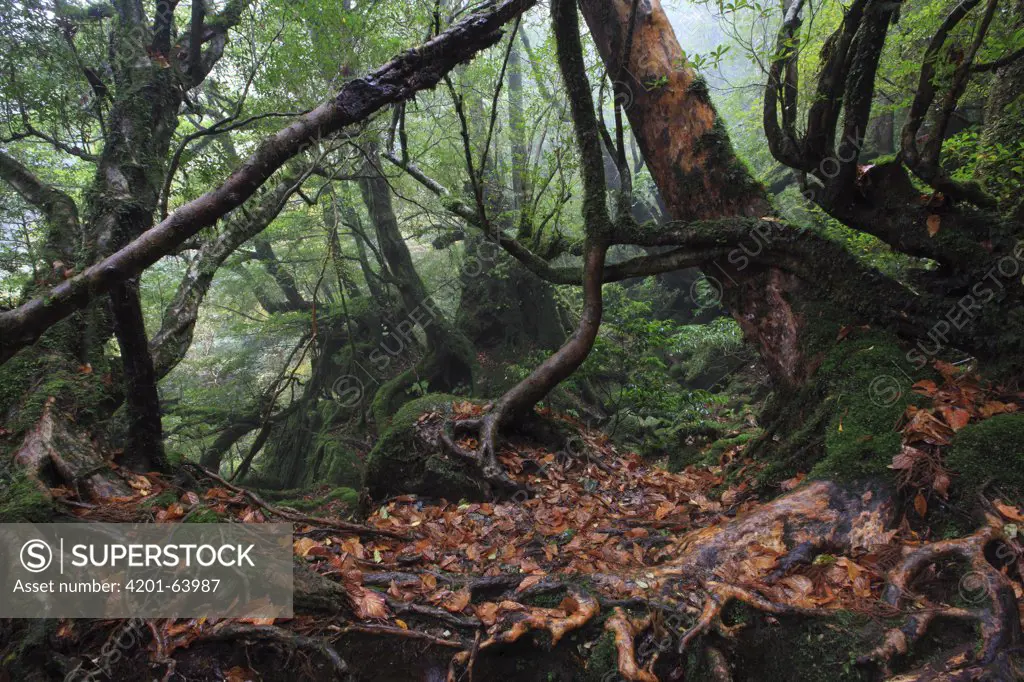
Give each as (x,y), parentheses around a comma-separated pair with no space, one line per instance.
(404,76)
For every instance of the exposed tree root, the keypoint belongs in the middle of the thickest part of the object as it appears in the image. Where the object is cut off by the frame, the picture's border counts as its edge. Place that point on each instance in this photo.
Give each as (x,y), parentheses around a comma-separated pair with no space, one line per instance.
(336,524)
(757,558)
(228,630)
(720,595)
(575,611)
(765,557)
(485,456)
(625,629)
(791,529)
(998,622)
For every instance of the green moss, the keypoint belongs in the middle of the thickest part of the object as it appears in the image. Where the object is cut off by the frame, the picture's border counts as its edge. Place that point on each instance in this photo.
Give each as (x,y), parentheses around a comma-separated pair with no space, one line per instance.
(348,497)
(203,516)
(21,501)
(449,368)
(714,452)
(842,425)
(401,463)
(990,450)
(684,456)
(341,465)
(163,500)
(801,649)
(603,660)
(861,437)
(27,383)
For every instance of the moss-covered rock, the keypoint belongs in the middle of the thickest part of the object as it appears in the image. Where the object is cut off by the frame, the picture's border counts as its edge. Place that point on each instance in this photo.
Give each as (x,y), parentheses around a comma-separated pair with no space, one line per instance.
(21,500)
(340,465)
(406,458)
(990,450)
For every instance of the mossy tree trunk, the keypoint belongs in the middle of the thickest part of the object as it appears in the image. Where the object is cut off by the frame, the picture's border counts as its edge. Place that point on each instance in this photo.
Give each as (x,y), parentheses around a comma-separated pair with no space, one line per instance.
(448,362)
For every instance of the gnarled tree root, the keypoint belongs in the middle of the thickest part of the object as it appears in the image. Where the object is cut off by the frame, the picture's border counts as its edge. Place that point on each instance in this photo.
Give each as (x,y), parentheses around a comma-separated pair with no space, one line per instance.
(577,610)
(624,630)
(485,457)
(998,620)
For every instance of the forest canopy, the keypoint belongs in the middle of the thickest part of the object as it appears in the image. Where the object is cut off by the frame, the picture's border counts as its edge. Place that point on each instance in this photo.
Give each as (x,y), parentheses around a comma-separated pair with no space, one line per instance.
(683,339)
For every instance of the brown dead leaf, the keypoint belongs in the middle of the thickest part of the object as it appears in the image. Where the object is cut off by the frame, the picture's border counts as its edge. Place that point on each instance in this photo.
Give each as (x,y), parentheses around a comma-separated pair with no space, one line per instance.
(920,504)
(487,612)
(172,513)
(906,458)
(368,603)
(791,483)
(528,582)
(457,601)
(239,674)
(925,387)
(302,546)
(994,407)
(956,417)
(934,222)
(663,510)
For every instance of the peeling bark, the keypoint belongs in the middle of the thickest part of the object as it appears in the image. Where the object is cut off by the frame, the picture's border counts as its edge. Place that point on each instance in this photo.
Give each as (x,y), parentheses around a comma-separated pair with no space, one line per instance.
(56,451)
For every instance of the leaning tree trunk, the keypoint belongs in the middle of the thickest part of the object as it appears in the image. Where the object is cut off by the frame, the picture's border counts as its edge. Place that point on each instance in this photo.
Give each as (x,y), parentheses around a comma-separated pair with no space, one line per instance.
(691,159)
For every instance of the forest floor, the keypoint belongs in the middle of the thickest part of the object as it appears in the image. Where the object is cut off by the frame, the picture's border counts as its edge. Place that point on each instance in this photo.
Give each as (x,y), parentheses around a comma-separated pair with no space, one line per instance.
(630,563)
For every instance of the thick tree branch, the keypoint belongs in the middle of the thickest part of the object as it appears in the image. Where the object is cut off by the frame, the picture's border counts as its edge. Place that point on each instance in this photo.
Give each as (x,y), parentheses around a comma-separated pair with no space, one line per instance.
(59,210)
(924,162)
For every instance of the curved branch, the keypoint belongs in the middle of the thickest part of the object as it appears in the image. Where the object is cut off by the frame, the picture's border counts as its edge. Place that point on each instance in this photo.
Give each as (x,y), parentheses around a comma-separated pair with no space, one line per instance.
(782,139)
(172,341)
(59,209)
(998,63)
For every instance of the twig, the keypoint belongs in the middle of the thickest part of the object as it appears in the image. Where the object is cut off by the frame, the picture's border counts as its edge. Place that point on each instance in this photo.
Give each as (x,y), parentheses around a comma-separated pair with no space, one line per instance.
(346,526)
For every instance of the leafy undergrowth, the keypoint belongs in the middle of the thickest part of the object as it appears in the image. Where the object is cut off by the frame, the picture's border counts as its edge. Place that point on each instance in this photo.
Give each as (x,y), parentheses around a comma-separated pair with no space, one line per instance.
(601,530)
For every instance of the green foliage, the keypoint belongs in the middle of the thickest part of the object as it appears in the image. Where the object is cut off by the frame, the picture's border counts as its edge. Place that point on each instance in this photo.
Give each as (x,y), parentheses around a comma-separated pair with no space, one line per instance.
(643,362)
(1000,165)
